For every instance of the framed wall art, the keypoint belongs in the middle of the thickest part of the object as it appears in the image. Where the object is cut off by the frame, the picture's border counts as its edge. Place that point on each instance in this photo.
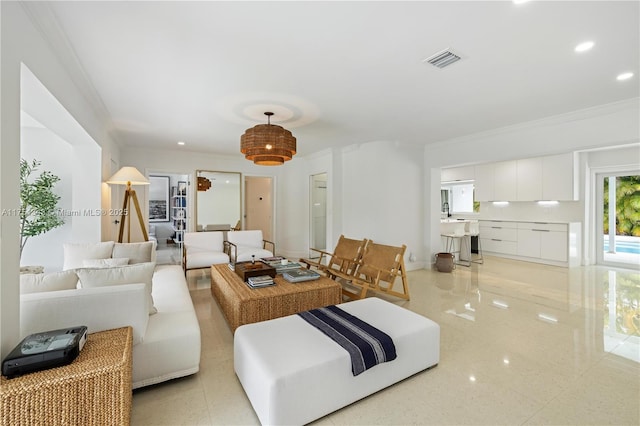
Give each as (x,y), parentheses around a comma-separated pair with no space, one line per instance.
(158,198)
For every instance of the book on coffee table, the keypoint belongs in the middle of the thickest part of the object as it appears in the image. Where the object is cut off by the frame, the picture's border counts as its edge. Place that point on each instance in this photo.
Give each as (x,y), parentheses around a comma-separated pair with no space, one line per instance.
(260,281)
(301,274)
(280,268)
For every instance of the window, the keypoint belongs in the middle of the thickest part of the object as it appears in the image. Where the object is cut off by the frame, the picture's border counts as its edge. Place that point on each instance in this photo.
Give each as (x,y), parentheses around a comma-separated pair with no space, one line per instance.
(459,196)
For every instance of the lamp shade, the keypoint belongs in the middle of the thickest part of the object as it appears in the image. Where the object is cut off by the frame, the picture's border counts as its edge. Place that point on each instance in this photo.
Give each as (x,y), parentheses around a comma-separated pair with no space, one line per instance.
(128,176)
(268,144)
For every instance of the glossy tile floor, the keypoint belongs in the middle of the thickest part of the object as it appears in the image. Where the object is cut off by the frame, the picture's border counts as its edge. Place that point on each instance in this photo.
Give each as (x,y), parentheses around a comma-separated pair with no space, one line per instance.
(521,344)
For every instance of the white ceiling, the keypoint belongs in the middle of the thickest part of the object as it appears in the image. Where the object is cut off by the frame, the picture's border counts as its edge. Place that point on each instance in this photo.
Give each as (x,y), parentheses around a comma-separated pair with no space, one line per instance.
(338,73)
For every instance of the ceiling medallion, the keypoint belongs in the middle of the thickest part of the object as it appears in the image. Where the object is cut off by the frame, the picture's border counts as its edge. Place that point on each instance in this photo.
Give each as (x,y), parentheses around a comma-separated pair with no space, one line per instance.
(268,144)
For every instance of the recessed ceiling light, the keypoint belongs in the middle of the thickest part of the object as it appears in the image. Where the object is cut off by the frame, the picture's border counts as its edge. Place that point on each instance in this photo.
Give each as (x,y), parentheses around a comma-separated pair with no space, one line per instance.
(624,76)
(583,47)
(180,143)
(520,1)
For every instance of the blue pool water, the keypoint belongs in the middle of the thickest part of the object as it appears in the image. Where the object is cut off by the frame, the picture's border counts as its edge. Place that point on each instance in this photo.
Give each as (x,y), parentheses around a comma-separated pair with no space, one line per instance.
(624,246)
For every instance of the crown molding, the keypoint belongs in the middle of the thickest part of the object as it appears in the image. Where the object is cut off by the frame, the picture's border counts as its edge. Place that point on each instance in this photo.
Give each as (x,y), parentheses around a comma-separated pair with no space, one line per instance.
(578,115)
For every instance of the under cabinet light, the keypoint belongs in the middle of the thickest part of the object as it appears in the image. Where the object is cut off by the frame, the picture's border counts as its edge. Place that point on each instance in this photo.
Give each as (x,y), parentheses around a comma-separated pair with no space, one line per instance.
(548,202)
(500,203)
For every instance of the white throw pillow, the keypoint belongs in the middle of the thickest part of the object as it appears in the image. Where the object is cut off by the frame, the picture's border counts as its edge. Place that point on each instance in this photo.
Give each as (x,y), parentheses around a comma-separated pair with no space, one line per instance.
(136,252)
(105,263)
(75,254)
(36,283)
(130,274)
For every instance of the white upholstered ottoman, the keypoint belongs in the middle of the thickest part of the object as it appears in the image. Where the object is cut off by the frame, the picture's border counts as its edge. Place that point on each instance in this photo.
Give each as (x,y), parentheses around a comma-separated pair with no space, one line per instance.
(294,374)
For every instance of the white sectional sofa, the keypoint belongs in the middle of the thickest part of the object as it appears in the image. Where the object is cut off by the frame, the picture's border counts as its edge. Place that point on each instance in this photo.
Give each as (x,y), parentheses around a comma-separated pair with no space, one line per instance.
(166,335)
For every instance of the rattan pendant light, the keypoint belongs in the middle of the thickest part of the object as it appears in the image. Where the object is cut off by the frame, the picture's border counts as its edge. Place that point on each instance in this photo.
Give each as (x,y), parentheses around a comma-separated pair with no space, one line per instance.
(268,144)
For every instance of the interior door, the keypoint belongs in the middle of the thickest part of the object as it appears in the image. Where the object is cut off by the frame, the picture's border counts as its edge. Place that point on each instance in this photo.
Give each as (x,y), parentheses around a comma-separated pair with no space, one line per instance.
(259,205)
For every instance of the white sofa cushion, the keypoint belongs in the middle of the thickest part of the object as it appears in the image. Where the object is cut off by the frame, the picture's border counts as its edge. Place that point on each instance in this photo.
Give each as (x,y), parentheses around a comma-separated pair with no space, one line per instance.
(204,241)
(252,238)
(101,308)
(76,253)
(204,259)
(136,252)
(171,346)
(105,263)
(55,281)
(249,244)
(139,273)
(246,254)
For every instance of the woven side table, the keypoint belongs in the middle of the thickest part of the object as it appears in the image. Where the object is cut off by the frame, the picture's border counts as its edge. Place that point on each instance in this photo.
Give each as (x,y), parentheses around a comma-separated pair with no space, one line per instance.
(95,389)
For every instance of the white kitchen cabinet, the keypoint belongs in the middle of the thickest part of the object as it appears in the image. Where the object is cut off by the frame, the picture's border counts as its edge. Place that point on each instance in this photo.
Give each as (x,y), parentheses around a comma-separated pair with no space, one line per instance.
(554,246)
(499,237)
(454,174)
(557,177)
(484,182)
(505,179)
(547,241)
(529,180)
(550,243)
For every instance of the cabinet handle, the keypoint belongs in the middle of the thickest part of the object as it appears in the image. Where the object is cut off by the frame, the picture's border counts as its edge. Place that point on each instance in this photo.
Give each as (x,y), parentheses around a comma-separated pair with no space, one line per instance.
(494,239)
(496,227)
(541,230)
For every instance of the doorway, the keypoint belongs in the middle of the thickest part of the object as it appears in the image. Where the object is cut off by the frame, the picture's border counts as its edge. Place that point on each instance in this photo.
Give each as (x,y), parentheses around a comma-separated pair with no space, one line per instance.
(173,192)
(617,225)
(318,212)
(258,202)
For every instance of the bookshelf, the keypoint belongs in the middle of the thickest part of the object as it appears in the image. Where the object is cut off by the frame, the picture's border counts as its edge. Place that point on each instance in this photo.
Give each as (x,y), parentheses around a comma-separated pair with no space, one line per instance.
(179,211)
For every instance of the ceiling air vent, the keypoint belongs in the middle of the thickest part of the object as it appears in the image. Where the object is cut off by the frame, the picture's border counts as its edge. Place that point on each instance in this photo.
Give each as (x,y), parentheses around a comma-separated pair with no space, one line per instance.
(442,59)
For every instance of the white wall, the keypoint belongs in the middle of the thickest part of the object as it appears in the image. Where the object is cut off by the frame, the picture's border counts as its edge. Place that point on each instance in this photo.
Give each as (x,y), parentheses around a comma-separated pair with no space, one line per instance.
(382,196)
(22,43)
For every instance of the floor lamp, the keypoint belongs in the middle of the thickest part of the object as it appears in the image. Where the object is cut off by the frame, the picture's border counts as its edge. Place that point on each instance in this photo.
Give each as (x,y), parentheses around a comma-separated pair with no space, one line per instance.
(129,176)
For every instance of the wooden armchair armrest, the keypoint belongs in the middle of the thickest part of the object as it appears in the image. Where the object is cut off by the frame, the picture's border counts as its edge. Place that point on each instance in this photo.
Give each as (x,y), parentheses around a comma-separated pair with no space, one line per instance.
(228,246)
(345,265)
(273,246)
(318,264)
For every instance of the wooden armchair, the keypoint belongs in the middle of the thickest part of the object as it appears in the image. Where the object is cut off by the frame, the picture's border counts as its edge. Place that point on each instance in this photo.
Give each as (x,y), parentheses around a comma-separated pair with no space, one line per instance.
(377,271)
(344,259)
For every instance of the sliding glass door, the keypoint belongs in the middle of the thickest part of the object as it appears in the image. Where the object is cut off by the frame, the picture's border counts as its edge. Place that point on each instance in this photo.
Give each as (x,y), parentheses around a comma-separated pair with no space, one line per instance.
(618,233)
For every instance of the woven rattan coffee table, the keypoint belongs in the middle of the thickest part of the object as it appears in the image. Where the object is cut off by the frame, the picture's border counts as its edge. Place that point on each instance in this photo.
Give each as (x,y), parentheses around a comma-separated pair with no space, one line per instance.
(95,389)
(243,305)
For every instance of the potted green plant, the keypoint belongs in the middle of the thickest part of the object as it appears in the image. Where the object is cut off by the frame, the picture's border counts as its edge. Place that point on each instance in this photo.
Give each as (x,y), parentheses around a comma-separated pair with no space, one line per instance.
(38,203)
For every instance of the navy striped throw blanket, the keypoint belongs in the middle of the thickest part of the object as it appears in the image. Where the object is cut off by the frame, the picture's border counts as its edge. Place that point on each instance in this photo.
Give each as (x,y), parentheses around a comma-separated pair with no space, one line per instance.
(366,345)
